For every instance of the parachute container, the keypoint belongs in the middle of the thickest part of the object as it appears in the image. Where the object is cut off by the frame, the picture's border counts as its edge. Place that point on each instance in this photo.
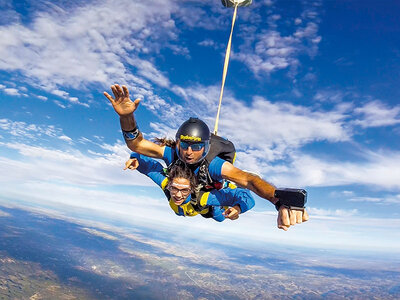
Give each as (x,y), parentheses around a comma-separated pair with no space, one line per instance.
(232,3)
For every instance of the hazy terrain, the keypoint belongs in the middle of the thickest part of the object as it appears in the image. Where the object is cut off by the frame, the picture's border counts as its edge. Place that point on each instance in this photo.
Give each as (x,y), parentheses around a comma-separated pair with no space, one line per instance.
(44,257)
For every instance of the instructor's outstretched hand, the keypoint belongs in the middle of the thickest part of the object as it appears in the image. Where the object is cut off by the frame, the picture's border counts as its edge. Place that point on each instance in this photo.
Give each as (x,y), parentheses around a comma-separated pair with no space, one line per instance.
(122,104)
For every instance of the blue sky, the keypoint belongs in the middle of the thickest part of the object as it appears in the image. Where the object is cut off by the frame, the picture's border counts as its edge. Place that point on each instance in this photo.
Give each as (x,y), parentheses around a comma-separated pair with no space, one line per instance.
(311,101)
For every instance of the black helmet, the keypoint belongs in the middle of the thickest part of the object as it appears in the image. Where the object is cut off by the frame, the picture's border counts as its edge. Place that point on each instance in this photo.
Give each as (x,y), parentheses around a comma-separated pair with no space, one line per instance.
(193,131)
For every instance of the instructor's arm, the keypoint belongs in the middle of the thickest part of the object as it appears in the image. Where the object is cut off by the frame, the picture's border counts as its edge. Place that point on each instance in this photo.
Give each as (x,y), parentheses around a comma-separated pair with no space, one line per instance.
(286,217)
(125,107)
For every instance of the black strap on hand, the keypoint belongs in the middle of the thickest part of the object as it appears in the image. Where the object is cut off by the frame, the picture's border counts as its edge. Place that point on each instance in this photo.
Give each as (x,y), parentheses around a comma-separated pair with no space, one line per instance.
(291,198)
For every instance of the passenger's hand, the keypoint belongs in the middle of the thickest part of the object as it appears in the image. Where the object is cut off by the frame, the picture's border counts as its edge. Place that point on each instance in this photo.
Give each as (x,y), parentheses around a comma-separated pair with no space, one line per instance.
(232,212)
(122,104)
(289,217)
(131,164)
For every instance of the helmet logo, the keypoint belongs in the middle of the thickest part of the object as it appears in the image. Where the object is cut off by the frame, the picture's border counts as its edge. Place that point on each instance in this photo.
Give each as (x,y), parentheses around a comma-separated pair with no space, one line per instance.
(190,138)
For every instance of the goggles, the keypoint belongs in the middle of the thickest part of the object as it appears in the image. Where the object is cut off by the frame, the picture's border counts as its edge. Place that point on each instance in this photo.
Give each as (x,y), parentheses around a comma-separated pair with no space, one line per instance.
(193,146)
(183,188)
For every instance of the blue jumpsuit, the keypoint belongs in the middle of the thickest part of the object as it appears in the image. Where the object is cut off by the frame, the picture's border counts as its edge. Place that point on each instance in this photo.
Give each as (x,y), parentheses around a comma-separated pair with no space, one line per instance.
(217,199)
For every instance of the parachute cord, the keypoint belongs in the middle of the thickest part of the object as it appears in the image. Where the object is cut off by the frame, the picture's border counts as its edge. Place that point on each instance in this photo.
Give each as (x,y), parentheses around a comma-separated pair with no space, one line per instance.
(227,54)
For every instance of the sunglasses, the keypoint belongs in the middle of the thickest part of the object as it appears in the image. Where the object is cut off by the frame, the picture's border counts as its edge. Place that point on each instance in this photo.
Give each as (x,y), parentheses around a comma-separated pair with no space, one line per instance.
(193,146)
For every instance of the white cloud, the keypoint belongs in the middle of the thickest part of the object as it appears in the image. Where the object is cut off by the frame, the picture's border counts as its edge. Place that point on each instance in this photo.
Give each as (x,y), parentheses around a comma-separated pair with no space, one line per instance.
(35,164)
(327,213)
(334,96)
(387,199)
(65,95)
(12,91)
(77,178)
(62,94)
(87,44)
(65,138)
(58,103)
(279,127)
(149,71)
(378,170)
(269,50)
(31,131)
(193,15)
(202,100)
(88,180)
(377,114)
(42,98)
(271,135)
(210,43)
(326,229)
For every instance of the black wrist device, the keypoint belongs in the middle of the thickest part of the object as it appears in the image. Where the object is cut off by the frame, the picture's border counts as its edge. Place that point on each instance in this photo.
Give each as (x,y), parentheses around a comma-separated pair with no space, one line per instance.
(291,198)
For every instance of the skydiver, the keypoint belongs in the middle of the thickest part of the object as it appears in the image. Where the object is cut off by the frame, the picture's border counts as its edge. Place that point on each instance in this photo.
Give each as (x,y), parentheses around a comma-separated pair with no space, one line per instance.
(192,149)
(180,185)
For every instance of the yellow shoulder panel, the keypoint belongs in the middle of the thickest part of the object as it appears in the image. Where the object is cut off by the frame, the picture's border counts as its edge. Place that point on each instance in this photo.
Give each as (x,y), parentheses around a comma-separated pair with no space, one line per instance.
(173,206)
(204,198)
(164,183)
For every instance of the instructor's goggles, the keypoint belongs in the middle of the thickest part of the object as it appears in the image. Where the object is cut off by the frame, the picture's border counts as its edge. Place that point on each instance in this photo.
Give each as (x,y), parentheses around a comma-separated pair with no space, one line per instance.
(193,146)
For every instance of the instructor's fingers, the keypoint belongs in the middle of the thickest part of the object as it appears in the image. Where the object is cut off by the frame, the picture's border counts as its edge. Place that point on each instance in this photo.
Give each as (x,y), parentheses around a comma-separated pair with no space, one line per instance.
(119,89)
(284,213)
(292,217)
(126,92)
(305,216)
(281,226)
(283,219)
(299,216)
(137,101)
(108,96)
(115,91)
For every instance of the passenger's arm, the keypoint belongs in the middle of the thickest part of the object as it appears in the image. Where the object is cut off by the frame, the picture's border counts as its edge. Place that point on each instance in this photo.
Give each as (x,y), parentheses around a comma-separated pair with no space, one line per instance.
(149,167)
(239,201)
(218,213)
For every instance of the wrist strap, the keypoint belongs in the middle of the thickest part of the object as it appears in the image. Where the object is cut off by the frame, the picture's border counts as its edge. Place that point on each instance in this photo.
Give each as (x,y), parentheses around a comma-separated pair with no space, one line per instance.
(130,135)
(278,205)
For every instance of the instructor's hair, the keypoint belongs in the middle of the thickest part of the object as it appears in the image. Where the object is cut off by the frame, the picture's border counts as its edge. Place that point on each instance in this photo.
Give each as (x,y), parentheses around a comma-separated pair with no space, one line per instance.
(182,171)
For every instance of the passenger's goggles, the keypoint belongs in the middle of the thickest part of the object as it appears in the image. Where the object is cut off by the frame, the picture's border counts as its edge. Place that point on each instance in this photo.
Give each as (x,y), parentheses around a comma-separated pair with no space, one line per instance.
(193,146)
(175,188)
